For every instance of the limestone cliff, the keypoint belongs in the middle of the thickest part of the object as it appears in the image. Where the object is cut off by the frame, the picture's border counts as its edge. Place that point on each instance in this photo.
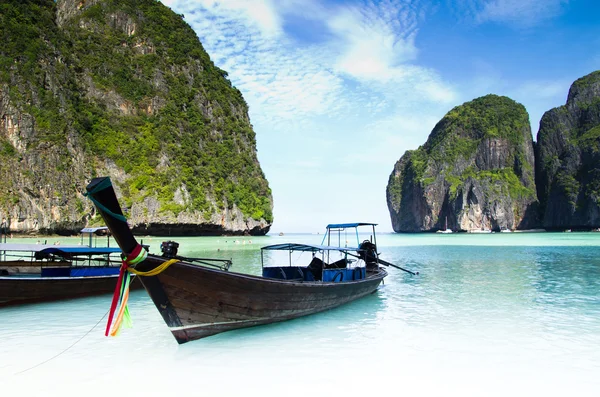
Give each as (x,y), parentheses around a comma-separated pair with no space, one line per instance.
(121,88)
(476,171)
(568,159)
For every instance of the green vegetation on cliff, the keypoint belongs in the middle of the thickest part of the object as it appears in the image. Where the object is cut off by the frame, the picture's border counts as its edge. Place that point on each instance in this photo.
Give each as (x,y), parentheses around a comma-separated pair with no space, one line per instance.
(132,83)
(490,116)
(590,139)
(475,169)
(27,33)
(29,38)
(568,154)
(456,139)
(586,81)
(503,180)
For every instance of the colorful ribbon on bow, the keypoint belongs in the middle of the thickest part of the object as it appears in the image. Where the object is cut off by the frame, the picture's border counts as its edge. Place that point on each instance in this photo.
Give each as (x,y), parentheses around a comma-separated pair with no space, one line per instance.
(121,294)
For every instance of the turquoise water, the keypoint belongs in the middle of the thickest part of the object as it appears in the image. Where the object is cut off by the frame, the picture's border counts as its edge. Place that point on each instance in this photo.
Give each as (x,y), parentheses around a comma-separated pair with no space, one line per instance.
(489,315)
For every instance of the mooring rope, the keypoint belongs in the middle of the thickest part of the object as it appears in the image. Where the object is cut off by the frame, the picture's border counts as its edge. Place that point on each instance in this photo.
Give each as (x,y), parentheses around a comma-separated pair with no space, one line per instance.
(122,298)
(76,342)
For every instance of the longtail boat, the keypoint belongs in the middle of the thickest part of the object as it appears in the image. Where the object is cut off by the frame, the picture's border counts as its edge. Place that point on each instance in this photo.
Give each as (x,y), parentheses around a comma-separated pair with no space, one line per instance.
(34,273)
(199,300)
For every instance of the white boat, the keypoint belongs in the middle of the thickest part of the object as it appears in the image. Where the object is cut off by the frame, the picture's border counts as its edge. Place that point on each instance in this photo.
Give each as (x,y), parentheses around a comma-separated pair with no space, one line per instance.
(480,231)
(446,230)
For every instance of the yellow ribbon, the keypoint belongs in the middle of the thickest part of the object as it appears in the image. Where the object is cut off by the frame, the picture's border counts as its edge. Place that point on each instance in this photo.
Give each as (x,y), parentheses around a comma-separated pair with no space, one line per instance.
(157,270)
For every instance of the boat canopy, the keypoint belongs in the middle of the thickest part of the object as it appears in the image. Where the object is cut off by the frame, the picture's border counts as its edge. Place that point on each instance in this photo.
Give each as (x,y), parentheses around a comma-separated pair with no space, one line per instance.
(307,247)
(338,228)
(29,247)
(54,249)
(81,250)
(346,225)
(94,229)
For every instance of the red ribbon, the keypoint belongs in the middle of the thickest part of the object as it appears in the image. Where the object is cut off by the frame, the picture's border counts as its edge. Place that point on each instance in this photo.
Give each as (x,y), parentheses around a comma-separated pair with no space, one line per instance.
(115,299)
(113,307)
(136,251)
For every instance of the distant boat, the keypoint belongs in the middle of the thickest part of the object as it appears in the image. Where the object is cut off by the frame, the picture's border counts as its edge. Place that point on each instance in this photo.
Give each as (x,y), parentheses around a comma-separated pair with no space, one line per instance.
(505,230)
(568,231)
(446,230)
(281,233)
(480,231)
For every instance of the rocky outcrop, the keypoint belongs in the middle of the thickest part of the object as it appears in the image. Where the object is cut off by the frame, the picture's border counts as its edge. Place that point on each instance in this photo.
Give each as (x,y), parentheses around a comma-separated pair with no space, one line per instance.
(124,89)
(476,171)
(568,159)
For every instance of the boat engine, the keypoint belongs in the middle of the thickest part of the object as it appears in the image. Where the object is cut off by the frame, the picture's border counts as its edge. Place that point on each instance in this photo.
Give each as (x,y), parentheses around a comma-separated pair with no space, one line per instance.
(169,249)
(369,254)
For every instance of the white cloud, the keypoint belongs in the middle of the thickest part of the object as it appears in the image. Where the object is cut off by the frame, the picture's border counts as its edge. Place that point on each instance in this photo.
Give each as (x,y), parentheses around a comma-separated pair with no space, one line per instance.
(278,82)
(519,13)
(375,45)
(434,90)
(372,45)
(260,14)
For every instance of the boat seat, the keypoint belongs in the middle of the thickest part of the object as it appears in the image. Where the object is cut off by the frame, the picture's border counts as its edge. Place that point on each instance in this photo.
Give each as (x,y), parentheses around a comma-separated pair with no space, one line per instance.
(288,273)
(316,268)
(341,264)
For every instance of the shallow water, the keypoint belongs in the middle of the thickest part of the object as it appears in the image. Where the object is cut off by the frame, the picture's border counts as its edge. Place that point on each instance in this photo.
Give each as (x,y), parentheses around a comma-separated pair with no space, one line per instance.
(497,314)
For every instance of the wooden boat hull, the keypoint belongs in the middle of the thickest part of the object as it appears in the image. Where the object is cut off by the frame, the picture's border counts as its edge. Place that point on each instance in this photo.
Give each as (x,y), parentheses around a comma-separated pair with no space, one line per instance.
(196,301)
(17,289)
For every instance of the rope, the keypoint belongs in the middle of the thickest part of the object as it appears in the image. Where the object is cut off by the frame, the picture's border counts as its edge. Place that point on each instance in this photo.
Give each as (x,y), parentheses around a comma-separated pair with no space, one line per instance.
(76,342)
(138,255)
(106,183)
(157,270)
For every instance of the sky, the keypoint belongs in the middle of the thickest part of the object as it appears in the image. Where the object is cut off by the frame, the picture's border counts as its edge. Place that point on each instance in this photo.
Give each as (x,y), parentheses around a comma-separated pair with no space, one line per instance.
(339,90)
